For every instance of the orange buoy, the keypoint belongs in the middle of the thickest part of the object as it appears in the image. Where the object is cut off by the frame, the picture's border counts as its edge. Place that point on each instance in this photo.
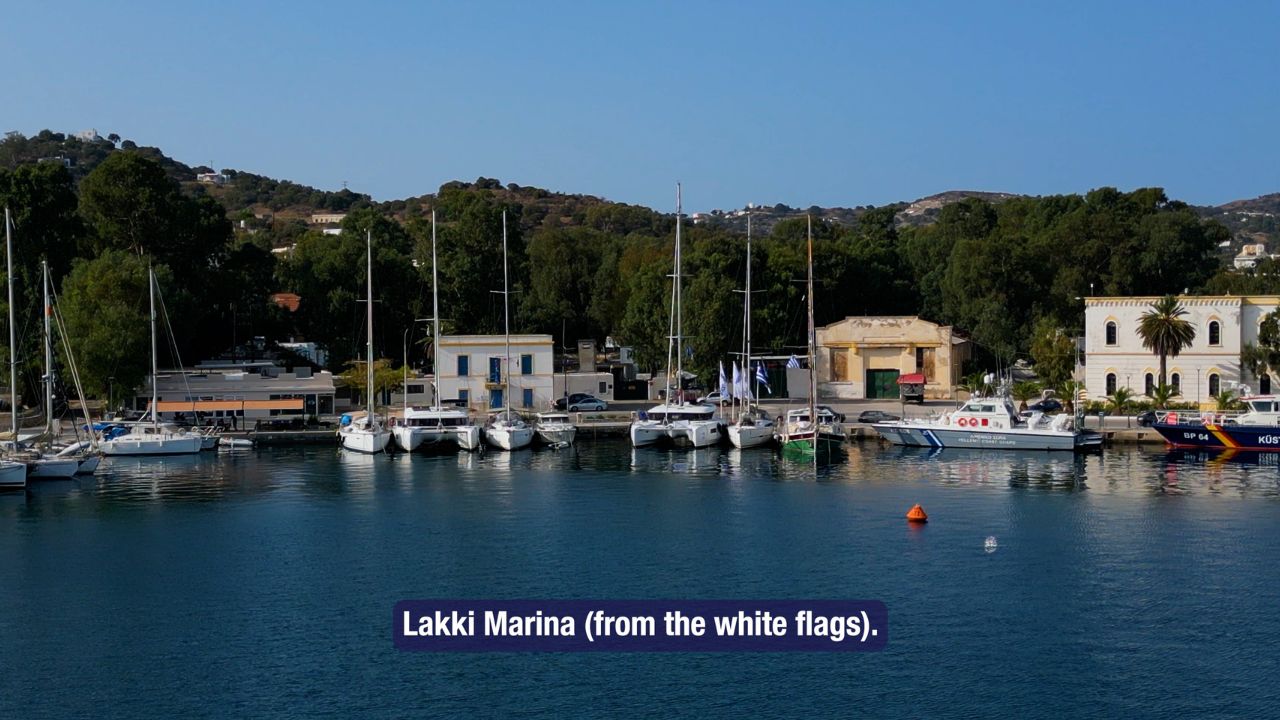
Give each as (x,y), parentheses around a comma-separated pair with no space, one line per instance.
(917,514)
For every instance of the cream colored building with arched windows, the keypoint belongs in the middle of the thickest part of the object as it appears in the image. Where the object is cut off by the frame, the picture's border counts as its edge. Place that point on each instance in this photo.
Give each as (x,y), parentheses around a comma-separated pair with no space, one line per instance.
(1114,356)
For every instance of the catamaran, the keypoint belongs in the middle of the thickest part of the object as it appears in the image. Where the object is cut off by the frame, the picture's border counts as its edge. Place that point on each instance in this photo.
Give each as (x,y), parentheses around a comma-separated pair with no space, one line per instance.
(506,429)
(152,438)
(675,420)
(366,434)
(752,427)
(805,433)
(437,425)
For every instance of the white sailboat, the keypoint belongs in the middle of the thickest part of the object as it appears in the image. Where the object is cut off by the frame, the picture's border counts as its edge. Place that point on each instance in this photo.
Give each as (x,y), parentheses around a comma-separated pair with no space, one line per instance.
(366,434)
(41,465)
(13,475)
(436,425)
(507,430)
(675,420)
(753,427)
(153,438)
(808,434)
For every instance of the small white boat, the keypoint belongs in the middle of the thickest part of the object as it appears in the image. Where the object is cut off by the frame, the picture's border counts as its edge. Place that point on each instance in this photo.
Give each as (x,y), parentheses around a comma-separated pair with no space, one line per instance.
(555,429)
(233,443)
(752,429)
(153,439)
(50,467)
(367,434)
(507,431)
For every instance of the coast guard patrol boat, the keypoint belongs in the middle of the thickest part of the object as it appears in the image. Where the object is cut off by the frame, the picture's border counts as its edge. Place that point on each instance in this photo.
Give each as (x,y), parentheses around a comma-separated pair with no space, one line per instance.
(991,423)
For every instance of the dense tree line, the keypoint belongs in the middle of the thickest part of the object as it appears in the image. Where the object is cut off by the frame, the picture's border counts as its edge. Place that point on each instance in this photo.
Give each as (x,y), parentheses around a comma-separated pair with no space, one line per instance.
(1010,274)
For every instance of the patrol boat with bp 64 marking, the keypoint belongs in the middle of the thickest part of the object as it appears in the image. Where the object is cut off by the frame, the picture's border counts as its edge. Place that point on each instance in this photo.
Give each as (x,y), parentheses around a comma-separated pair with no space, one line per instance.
(1256,429)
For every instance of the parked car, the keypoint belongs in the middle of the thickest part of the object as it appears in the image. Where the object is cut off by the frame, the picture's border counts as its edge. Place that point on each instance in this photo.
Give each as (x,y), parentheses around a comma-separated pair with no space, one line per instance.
(573,398)
(876,416)
(1147,419)
(1047,405)
(587,403)
(826,410)
(716,398)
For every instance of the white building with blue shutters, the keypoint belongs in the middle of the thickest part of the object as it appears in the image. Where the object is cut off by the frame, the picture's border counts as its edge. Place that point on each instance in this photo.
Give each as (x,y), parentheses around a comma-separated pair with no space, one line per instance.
(473,369)
(1114,356)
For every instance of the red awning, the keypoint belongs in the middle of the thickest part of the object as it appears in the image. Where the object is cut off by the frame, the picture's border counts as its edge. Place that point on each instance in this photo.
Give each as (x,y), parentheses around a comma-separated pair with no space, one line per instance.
(912,379)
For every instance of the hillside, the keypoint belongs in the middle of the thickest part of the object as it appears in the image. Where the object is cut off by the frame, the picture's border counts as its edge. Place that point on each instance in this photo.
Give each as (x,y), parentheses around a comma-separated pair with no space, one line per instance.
(262,201)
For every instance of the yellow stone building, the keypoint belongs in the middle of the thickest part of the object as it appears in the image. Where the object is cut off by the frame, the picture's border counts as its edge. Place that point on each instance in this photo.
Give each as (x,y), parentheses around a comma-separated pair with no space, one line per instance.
(863,357)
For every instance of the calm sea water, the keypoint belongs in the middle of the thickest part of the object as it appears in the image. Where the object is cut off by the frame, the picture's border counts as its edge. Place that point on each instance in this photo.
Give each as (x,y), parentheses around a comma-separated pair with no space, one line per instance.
(1131,584)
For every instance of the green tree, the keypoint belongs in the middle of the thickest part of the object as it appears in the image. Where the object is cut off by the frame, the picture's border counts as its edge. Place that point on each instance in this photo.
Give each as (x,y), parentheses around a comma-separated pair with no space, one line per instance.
(1120,400)
(1226,401)
(385,378)
(1053,352)
(1164,331)
(104,305)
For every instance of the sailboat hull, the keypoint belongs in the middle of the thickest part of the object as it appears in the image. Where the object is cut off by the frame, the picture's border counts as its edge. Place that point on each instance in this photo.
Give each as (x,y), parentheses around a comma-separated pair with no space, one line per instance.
(749,436)
(144,445)
(365,441)
(408,438)
(53,468)
(13,476)
(509,438)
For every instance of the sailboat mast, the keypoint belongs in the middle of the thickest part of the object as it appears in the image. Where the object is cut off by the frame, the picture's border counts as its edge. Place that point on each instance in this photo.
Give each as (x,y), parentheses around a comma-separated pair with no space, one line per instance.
(13,340)
(746,353)
(435,317)
(506,316)
(48,352)
(813,376)
(369,324)
(155,369)
(679,315)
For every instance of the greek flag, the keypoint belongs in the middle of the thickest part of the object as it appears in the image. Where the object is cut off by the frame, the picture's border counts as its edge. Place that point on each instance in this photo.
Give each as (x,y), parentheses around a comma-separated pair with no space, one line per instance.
(794,362)
(762,377)
(724,384)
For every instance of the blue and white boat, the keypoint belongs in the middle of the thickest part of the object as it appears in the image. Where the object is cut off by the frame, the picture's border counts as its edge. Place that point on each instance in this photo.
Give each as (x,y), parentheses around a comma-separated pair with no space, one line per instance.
(1256,429)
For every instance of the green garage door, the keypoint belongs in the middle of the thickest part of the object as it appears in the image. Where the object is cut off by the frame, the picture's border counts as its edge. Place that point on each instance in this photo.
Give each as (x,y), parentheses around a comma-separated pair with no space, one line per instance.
(882,384)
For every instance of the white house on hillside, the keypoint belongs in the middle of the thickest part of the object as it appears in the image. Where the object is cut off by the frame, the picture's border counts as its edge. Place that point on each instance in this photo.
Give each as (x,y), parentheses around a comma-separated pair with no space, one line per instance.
(1115,356)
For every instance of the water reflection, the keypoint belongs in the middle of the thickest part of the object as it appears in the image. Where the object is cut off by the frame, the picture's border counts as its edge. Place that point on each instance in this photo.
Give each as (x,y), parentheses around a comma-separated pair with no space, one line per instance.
(328,473)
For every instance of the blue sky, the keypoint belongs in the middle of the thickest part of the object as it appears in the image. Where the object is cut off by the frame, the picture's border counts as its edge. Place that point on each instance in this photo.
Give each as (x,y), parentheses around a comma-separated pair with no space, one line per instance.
(828,103)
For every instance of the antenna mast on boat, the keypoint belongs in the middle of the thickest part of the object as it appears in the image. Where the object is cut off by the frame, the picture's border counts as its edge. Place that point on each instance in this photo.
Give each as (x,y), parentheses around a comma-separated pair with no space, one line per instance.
(48,353)
(13,341)
(435,318)
(155,369)
(506,319)
(369,420)
(813,376)
(679,315)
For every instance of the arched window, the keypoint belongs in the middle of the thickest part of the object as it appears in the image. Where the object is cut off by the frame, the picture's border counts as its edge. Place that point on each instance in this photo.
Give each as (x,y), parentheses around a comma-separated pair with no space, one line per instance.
(1111,383)
(1111,333)
(1150,385)
(1264,384)
(1215,332)
(1175,382)
(1214,384)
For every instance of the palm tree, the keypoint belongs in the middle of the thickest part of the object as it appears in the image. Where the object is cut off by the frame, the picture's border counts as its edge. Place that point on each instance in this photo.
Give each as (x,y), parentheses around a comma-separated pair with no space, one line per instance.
(1119,400)
(1226,400)
(976,385)
(1162,394)
(1164,332)
(1069,390)
(1025,391)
